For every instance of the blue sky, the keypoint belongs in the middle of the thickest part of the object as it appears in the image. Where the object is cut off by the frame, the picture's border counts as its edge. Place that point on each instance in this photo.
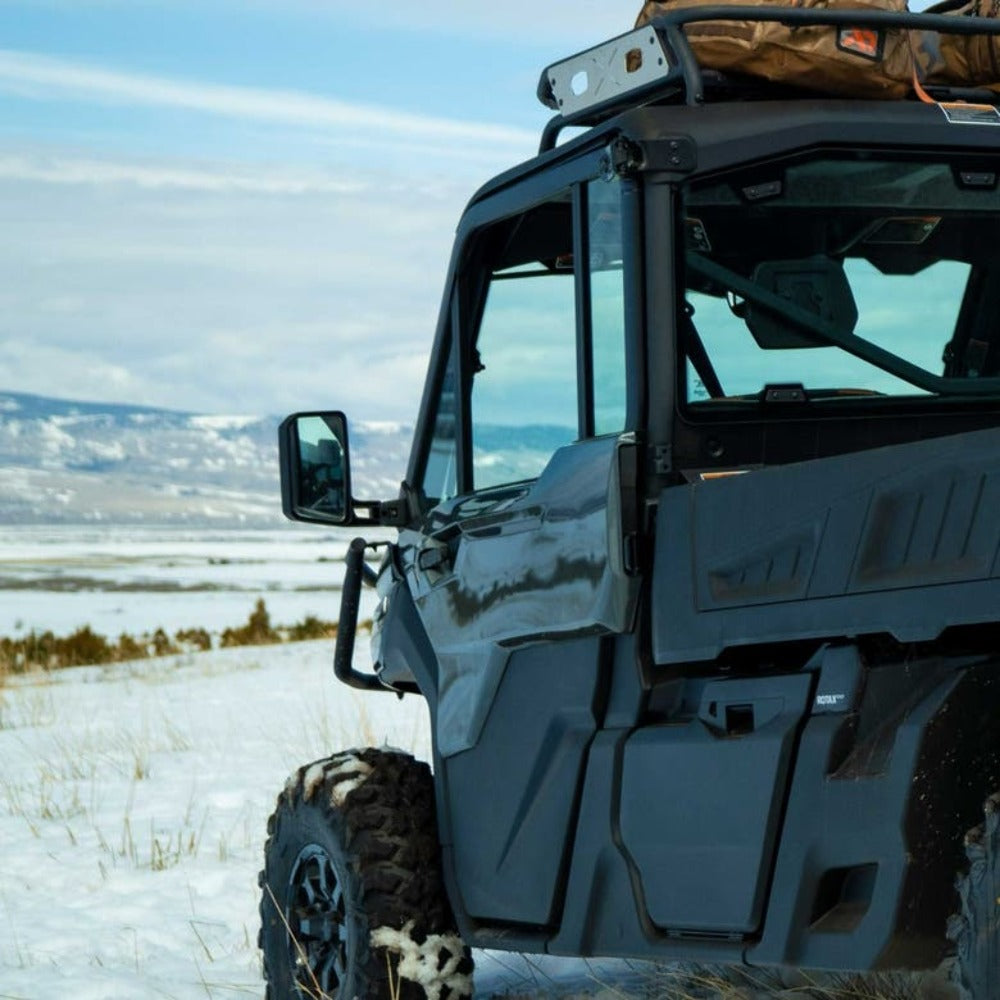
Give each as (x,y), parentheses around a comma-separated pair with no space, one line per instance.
(247,206)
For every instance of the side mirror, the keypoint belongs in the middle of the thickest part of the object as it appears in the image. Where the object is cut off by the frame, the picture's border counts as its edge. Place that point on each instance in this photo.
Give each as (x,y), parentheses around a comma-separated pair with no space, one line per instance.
(315,468)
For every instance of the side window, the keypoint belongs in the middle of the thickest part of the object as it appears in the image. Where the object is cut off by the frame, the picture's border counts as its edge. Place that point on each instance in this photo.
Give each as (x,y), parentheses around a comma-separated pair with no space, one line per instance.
(523,400)
(441,473)
(524,392)
(525,389)
(607,305)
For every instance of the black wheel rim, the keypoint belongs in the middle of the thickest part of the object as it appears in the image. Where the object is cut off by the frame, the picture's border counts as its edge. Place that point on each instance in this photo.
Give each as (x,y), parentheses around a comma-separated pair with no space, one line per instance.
(317,925)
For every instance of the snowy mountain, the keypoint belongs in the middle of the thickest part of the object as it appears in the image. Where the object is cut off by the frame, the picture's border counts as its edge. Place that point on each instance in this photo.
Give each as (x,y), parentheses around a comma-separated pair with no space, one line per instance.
(68,462)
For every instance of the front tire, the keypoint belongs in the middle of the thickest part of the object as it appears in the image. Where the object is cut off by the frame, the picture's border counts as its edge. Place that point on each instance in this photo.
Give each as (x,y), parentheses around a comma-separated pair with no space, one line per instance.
(353,904)
(975,929)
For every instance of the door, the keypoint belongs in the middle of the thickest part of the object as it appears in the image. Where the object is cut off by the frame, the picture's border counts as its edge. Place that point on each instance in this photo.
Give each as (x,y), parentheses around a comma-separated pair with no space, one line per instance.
(519,570)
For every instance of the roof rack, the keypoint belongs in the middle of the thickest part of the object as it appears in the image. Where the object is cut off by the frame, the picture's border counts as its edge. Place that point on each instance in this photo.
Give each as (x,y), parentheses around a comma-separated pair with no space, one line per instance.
(656,62)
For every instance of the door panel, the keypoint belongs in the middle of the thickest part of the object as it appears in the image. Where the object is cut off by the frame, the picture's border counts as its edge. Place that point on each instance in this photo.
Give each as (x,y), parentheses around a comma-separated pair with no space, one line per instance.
(515,606)
(514,565)
(513,793)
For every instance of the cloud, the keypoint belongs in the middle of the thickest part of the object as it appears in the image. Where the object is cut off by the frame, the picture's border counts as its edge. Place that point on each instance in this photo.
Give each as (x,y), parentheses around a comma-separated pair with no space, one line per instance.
(259,297)
(40,77)
(258,286)
(69,169)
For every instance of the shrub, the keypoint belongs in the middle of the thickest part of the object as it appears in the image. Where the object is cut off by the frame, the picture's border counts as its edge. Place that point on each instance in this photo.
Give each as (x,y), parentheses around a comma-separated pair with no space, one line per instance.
(256,632)
(162,646)
(46,651)
(84,646)
(194,638)
(130,649)
(312,627)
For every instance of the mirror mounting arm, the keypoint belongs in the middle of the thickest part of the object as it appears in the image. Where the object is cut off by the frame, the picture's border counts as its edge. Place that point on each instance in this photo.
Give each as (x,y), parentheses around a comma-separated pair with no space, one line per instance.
(387,513)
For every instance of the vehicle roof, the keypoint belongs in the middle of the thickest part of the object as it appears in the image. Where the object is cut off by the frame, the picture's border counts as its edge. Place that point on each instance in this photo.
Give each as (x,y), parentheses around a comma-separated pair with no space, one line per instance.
(742,130)
(678,96)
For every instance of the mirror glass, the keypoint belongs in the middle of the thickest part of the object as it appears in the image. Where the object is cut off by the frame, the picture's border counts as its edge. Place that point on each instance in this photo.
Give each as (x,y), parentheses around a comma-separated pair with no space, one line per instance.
(322,478)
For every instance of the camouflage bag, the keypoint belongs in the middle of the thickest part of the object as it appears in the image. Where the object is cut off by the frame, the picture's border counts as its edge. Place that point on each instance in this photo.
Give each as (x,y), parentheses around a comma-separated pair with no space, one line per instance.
(853,62)
(961,60)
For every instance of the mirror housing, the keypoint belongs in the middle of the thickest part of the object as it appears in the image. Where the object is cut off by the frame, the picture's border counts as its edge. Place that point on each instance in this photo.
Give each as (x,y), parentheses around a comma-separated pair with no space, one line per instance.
(315,468)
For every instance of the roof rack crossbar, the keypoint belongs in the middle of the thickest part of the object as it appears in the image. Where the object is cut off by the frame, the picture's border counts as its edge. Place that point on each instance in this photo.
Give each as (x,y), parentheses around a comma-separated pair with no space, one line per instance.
(656,61)
(946,24)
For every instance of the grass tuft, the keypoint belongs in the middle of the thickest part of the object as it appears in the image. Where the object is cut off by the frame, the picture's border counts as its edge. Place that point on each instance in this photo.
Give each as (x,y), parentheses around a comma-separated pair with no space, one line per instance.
(686,982)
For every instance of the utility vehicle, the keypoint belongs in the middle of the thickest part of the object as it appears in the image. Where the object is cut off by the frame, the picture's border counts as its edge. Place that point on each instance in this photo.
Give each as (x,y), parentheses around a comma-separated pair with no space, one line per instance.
(698,555)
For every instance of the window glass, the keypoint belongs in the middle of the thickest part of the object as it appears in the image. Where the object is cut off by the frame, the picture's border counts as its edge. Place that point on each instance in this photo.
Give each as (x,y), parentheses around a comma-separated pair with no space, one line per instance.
(796,271)
(441,474)
(607,305)
(890,304)
(524,399)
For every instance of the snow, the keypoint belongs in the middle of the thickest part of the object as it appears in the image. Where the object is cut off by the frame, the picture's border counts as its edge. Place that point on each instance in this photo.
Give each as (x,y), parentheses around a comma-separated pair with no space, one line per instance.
(422,963)
(129,579)
(136,802)
(324,770)
(134,798)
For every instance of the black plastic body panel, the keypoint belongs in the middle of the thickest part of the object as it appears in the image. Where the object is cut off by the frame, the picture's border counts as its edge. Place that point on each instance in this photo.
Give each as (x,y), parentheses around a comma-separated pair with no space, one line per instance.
(703,842)
(900,540)
(511,798)
(868,845)
(402,651)
(524,563)
(896,806)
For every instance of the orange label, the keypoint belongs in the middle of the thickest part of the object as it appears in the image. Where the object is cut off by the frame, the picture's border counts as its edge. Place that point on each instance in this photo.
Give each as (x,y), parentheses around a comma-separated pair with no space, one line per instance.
(862,41)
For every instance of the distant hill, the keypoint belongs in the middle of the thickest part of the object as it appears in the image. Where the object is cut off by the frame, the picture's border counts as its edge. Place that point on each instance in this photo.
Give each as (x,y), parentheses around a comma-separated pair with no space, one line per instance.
(65,461)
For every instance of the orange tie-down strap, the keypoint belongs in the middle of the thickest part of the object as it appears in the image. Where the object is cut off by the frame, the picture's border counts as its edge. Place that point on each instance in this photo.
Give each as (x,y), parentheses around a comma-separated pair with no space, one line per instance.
(950,107)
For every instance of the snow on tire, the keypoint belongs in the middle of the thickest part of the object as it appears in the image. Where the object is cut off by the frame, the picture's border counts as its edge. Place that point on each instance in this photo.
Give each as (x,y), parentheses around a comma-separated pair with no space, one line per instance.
(353,904)
(975,929)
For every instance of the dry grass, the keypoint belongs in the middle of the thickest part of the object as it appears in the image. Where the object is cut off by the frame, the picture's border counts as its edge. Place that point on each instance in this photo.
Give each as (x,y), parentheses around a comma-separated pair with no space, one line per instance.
(37,652)
(704,983)
(683,981)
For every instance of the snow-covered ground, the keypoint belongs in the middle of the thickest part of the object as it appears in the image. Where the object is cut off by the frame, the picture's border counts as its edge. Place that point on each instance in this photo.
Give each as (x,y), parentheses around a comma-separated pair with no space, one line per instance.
(133,805)
(137,579)
(134,798)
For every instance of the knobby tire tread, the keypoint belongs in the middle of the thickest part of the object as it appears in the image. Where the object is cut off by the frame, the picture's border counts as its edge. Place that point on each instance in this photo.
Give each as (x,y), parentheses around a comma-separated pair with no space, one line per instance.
(387,827)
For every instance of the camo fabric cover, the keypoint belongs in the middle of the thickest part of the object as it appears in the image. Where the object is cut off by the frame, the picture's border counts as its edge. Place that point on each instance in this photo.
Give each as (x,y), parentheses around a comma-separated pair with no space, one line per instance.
(850,62)
(961,60)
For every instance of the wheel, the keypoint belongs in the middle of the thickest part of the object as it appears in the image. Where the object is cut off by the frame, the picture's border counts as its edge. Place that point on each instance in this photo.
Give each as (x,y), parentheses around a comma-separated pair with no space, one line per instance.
(976,928)
(353,903)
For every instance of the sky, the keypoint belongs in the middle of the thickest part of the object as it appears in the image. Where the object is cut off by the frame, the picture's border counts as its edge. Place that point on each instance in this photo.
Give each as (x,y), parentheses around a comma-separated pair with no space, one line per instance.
(247,206)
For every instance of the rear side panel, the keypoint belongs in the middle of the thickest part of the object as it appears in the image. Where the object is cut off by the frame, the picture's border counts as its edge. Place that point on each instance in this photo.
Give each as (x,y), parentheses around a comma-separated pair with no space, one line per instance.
(878,809)
(701,803)
(826,839)
(902,540)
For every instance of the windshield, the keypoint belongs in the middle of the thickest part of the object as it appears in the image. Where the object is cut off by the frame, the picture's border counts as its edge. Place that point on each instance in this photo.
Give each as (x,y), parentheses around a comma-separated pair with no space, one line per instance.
(843,277)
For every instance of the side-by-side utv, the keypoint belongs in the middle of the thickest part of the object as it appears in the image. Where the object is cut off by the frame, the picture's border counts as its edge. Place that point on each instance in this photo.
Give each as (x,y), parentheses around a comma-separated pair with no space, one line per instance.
(698,555)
